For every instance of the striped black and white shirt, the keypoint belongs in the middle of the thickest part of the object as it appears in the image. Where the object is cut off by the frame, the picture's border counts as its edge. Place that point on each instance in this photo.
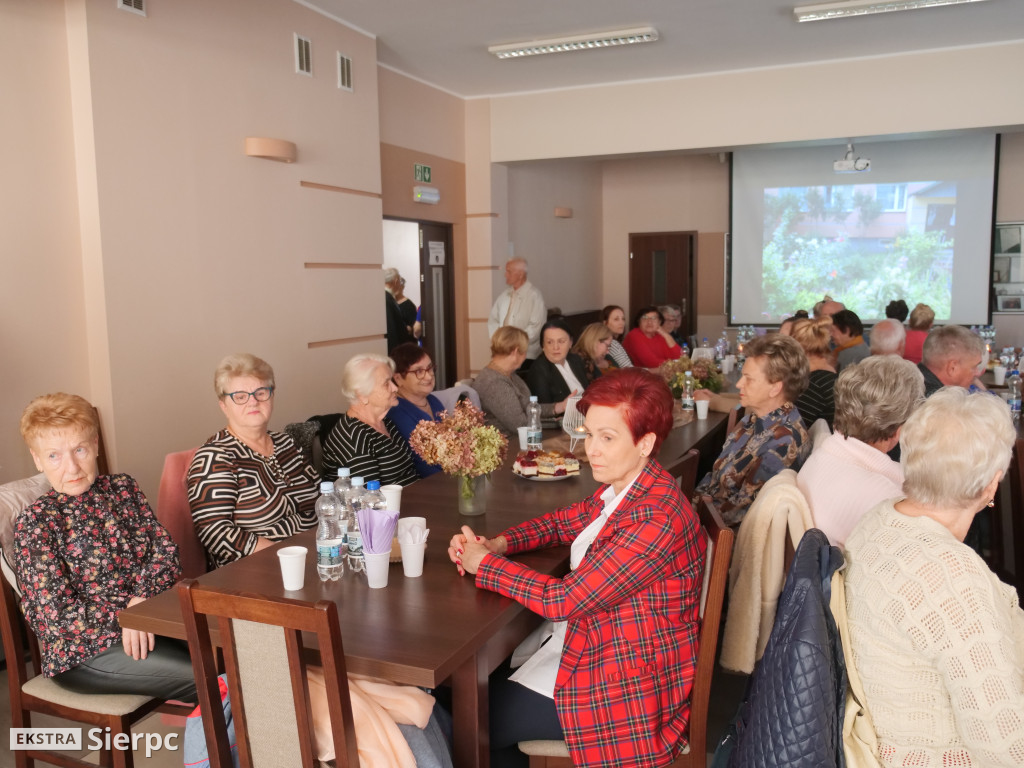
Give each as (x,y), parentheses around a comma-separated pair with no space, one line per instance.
(369,454)
(618,354)
(237,495)
(818,400)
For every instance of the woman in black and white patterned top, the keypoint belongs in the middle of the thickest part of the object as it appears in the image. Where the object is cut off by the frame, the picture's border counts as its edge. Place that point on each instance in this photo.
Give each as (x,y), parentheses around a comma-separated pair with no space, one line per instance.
(365,440)
(248,487)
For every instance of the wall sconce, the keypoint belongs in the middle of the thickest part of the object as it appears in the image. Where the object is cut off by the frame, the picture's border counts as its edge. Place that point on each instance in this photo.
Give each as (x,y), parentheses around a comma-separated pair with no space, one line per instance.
(271,149)
(563,213)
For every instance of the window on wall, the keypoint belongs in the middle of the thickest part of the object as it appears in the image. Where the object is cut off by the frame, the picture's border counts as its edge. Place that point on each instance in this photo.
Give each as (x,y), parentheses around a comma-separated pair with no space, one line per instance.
(893,197)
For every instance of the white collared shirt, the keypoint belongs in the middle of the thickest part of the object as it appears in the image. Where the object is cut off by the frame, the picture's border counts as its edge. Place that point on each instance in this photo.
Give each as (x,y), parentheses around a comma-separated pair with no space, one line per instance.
(541,653)
(570,377)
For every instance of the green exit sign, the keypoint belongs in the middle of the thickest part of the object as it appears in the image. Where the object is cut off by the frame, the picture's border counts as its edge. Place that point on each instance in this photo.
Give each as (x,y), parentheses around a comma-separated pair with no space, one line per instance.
(421,172)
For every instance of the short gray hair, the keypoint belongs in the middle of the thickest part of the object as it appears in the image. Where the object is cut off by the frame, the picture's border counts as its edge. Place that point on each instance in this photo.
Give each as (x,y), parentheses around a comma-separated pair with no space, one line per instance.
(953,445)
(520,263)
(241,364)
(876,396)
(887,336)
(357,378)
(390,274)
(950,342)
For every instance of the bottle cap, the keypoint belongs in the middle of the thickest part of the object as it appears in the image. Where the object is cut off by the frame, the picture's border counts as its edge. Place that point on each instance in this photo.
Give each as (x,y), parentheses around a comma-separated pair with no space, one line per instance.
(326,486)
(533,398)
(373,485)
(357,480)
(344,472)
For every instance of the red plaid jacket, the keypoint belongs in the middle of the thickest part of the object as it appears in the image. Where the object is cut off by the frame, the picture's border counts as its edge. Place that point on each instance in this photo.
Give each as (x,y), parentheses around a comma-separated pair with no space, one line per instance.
(632,606)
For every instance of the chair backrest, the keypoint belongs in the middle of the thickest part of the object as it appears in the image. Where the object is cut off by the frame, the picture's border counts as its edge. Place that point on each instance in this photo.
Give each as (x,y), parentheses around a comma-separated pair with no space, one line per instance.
(449,397)
(16,636)
(264,657)
(684,472)
(174,514)
(1016,479)
(716,576)
(734,415)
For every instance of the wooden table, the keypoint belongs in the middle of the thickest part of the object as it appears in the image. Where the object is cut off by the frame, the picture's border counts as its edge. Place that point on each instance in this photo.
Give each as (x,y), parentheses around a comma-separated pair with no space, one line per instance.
(438,627)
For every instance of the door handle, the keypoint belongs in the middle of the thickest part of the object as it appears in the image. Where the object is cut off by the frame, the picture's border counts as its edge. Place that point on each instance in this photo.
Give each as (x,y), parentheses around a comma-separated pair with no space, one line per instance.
(682,305)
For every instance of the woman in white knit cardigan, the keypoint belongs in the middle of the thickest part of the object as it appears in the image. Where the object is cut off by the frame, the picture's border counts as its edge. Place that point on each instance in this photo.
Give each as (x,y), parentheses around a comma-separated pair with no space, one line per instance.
(937,639)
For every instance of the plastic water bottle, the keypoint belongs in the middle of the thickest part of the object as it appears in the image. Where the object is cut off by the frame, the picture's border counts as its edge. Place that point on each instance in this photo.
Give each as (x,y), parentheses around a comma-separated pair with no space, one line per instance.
(373,498)
(344,481)
(353,540)
(686,351)
(329,535)
(688,387)
(1013,384)
(534,435)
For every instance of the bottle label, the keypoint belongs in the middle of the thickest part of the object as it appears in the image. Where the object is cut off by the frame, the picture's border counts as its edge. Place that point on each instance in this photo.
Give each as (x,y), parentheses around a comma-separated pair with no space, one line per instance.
(1015,405)
(328,553)
(355,543)
(534,437)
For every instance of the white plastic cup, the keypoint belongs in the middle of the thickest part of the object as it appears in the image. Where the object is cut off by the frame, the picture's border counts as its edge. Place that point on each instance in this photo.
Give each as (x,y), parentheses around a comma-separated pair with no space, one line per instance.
(377,564)
(412,559)
(393,496)
(523,444)
(293,567)
(999,372)
(702,408)
(727,363)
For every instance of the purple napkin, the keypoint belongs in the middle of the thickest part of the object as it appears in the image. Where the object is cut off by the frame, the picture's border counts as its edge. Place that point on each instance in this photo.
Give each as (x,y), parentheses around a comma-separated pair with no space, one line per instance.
(377,527)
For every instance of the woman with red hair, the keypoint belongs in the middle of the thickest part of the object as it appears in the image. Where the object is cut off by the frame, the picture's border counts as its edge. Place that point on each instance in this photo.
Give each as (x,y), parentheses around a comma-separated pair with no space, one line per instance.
(612,669)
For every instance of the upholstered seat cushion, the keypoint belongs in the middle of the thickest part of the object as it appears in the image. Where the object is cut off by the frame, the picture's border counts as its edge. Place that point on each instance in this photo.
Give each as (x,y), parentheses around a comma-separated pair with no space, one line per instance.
(104,704)
(14,497)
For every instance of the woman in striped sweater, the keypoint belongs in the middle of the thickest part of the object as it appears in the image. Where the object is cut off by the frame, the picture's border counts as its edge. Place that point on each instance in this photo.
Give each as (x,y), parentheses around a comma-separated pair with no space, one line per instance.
(365,440)
(247,486)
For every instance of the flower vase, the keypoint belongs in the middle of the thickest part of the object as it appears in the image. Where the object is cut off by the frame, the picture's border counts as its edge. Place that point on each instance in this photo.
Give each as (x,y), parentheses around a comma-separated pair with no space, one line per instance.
(473,494)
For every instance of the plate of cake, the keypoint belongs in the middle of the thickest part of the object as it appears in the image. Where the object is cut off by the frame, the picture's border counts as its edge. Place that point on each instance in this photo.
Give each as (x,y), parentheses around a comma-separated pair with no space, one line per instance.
(546,466)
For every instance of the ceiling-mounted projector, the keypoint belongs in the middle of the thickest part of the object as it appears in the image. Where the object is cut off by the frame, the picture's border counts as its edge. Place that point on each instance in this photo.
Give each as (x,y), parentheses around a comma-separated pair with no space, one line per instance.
(851,164)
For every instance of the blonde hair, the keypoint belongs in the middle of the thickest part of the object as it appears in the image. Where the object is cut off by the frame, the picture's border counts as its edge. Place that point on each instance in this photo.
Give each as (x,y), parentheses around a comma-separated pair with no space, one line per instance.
(921,317)
(507,339)
(784,360)
(876,396)
(591,336)
(813,335)
(357,378)
(953,445)
(58,412)
(241,364)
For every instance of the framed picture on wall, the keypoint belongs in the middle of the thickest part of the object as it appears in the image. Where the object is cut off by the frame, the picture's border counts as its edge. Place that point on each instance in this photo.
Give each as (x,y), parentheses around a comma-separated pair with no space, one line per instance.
(1008,237)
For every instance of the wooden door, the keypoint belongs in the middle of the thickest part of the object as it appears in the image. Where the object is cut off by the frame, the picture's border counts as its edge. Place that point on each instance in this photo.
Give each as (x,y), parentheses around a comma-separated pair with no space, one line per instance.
(438,299)
(661,271)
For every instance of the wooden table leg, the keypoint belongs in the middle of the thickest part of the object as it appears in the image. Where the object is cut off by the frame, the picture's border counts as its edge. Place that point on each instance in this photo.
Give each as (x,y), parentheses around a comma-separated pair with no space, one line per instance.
(470,712)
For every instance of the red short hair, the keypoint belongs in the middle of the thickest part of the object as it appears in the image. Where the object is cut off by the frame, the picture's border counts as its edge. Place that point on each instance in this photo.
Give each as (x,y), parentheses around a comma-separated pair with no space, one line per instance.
(645,400)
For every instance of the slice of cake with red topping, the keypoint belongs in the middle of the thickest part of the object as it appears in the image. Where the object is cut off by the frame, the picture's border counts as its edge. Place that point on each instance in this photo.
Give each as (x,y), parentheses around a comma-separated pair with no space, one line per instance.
(526,464)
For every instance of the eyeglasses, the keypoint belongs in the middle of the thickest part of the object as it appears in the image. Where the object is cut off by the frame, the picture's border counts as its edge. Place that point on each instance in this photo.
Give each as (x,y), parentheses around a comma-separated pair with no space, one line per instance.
(649,318)
(421,373)
(241,398)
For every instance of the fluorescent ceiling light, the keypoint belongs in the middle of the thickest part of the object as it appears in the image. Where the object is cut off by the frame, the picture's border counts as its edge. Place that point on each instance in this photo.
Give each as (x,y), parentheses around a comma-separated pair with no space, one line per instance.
(843,8)
(575,43)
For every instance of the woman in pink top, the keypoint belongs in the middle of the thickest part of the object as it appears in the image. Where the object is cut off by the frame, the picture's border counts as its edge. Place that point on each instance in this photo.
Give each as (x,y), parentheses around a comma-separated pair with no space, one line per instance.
(921,319)
(647,344)
(849,472)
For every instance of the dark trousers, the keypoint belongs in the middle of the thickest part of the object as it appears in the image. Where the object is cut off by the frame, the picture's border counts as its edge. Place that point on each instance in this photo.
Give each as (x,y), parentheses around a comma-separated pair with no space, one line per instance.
(165,673)
(518,714)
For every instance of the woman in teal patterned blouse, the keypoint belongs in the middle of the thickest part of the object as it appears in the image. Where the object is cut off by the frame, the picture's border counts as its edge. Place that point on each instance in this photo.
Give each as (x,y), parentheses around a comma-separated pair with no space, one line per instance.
(84,552)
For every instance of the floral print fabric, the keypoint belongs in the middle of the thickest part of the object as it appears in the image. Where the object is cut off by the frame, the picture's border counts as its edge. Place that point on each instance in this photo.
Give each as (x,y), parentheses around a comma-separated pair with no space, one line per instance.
(80,559)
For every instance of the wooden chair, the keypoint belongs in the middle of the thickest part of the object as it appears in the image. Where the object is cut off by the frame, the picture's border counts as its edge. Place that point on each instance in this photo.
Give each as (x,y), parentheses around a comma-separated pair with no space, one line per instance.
(684,472)
(554,754)
(1016,479)
(174,513)
(264,656)
(35,693)
(735,415)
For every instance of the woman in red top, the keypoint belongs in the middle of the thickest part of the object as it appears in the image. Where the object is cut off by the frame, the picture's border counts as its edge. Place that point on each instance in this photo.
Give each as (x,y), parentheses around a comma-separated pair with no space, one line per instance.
(921,319)
(626,617)
(647,344)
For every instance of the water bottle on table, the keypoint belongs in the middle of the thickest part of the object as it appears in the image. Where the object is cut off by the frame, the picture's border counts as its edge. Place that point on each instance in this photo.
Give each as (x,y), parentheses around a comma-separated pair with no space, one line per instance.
(344,481)
(688,388)
(1013,385)
(534,434)
(354,541)
(330,538)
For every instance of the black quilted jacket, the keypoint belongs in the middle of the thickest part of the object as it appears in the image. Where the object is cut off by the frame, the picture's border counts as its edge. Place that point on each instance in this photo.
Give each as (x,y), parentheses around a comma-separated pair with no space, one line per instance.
(793,715)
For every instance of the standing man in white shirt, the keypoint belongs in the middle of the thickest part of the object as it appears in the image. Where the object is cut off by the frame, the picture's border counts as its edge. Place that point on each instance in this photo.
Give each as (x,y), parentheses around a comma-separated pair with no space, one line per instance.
(521,305)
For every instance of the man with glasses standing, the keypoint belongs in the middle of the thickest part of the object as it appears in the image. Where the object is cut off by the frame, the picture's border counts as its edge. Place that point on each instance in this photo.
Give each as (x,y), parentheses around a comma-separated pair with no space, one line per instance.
(400,311)
(247,486)
(520,305)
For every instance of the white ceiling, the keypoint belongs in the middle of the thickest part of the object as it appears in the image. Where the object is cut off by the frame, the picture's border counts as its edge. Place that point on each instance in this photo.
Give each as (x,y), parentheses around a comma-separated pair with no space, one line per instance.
(444,42)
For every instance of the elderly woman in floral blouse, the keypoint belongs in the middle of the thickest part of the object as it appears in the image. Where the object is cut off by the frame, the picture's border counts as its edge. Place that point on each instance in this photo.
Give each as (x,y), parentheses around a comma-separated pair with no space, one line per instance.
(771,437)
(84,552)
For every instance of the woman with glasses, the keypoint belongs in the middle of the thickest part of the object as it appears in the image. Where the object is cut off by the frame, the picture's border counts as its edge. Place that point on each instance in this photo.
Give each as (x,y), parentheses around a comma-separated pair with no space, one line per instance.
(414,377)
(648,344)
(247,486)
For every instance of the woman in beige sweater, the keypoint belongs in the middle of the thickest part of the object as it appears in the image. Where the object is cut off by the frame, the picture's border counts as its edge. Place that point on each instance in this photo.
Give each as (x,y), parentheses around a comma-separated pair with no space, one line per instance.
(937,639)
